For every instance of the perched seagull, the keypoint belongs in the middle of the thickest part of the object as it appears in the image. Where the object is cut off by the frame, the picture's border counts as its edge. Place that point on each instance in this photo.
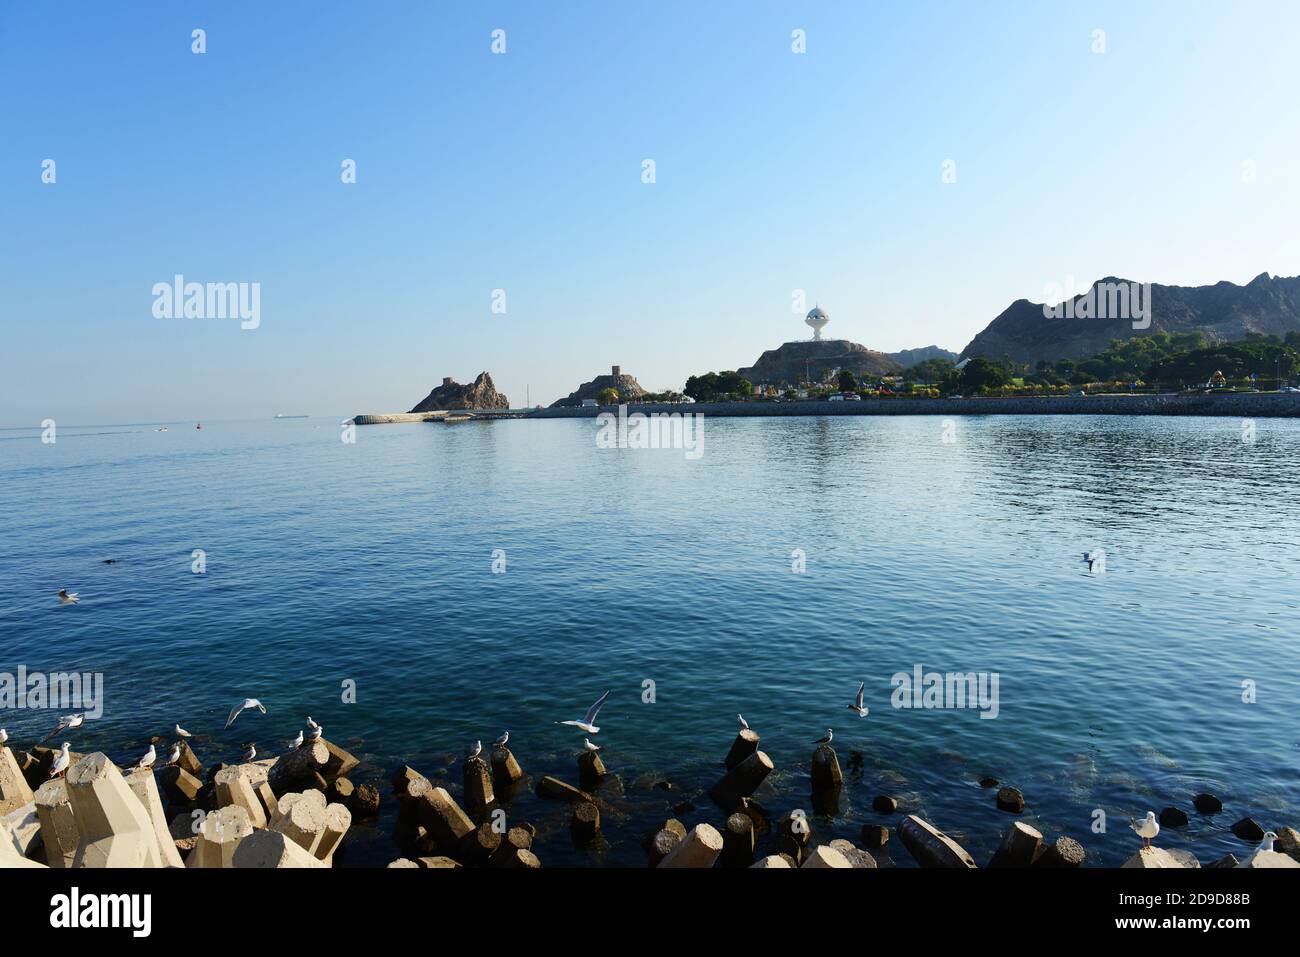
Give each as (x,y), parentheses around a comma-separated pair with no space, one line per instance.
(147,761)
(181,732)
(589,746)
(316,732)
(501,741)
(857,705)
(60,761)
(66,723)
(248,703)
(175,755)
(1267,843)
(296,743)
(250,753)
(826,740)
(1146,829)
(4,736)
(312,724)
(744,725)
(67,597)
(475,751)
(586,723)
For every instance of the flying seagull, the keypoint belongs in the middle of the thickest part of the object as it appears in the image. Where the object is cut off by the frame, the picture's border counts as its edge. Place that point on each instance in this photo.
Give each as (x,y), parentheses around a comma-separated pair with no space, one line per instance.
(857,705)
(826,740)
(501,741)
(474,751)
(147,761)
(60,761)
(589,746)
(296,743)
(1146,829)
(744,725)
(586,723)
(175,755)
(181,732)
(250,753)
(248,703)
(1096,560)
(67,597)
(66,723)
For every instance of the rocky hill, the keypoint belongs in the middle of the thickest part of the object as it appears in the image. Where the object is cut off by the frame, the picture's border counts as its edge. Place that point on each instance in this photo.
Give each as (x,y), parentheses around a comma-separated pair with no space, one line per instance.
(797,362)
(1224,311)
(910,357)
(626,386)
(481,394)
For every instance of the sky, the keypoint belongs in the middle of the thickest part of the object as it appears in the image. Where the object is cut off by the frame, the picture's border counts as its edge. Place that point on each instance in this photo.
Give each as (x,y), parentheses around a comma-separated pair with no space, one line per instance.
(1169,158)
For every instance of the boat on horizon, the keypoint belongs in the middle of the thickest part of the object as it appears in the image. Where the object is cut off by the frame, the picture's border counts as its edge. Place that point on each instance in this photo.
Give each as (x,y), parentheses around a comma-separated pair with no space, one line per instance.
(281,415)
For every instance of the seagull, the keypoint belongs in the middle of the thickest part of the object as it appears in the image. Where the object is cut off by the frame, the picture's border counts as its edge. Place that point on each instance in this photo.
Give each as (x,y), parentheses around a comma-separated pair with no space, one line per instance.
(475,751)
(181,732)
(586,723)
(1267,843)
(857,705)
(248,703)
(147,761)
(826,740)
(1146,829)
(67,597)
(744,725)
(312,724)
(60,761)
(66,723)
(1096,560)
(175,755)
(589,746)
(250,753)
(4,736)
(316,732)
(296,743)
(501,741)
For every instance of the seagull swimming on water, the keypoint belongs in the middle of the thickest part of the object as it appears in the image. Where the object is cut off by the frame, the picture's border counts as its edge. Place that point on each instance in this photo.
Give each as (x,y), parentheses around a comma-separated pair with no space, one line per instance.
(589,746)
(857,705)
(501,741)
(1096,560)
(181,732)
(296,743)
(744,725)
(60,761)
(147,761)
(586,723)
(1146,829)
(67,597)
(66,723)
(248,703)
(474,751)
(250,753)
(826,740)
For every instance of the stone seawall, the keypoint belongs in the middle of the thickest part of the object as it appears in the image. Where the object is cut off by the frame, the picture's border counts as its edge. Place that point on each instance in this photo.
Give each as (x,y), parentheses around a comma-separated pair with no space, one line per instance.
(1239,405)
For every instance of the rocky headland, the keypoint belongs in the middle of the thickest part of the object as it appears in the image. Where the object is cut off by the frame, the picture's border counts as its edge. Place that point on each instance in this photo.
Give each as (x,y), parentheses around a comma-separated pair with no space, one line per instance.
(796,362)
(480,394)
(628,389)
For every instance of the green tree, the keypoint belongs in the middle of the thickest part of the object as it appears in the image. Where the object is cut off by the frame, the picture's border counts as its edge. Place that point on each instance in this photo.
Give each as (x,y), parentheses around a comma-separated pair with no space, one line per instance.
(608,396)
(981,374)
(848,381)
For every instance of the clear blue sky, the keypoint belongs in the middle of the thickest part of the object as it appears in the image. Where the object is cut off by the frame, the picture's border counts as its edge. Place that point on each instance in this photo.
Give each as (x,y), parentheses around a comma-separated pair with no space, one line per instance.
(775,172)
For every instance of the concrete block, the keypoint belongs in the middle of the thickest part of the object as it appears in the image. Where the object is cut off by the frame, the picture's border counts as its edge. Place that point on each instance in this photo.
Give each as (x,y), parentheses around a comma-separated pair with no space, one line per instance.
(1155,858)
(826,772)
(439,814)
(113,827)
(58,826)
(339,763)
(145,788)
(478,787)
(24,827)
(237,785)
(303,819)
(219,837)
(506,772)
(9,856)
(930,846)
(701,848)
(272,849)
(741,781)
(591,770)
(1020,847)
(15,792)
(179,786)
(825,856)
(746,743)
(337,821)
(550,787)
(772,861)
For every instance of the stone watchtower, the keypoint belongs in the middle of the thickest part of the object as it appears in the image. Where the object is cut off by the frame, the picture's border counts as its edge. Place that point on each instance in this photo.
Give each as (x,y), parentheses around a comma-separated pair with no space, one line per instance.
(617,371)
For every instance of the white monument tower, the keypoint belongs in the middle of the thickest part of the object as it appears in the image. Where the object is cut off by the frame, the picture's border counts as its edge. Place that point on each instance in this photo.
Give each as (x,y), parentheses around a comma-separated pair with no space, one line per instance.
(817,319)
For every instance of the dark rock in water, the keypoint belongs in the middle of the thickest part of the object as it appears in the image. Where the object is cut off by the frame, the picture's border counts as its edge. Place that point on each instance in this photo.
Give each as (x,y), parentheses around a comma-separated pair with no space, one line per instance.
(884,804)
(1207,804)
(666,786)
(341,790)
(1288,842)
(875,835)
(1248,830)
(1173,817)
(1062,852)
(1010,799)
(1227,860)
(452,395)
(365,801)
(988,782)
(683,807)
(110,561)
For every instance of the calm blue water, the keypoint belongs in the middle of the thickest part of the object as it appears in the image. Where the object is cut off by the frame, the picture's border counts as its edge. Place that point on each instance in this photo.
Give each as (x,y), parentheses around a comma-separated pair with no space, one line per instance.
(372,562)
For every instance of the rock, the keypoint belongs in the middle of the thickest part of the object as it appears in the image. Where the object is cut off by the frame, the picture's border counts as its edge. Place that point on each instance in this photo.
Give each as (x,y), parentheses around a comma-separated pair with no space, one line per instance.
(1248,830)
(683,808)
(825,770)
(452,395)
(364,802)
(702,847)
(1268,859)
(506,772)
(1173,817)
(549,787)
(1021,847)
(628,389)
(930,846)
(741,781)
(1011,800)
(435,863)
(1288,842)
(875,835)
(341,790)
(825,856)
(792,362)
(665,840)
(15,792)
(113,827)
(738,841)
(884,804)
(219,837)
(478,787)
(180,787)
(1207,804)
(856,857)
(300,769)
(58,827)
(1227,860)
(145,788)
(988,782)
(586,823)
(272,849)
(746,743)
(591,770)
(1160,857)
(773,861)
(1062,852)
